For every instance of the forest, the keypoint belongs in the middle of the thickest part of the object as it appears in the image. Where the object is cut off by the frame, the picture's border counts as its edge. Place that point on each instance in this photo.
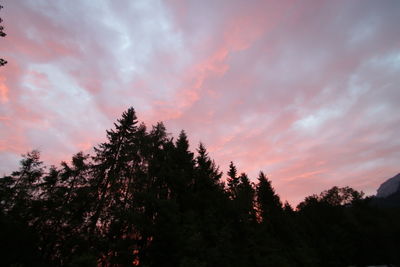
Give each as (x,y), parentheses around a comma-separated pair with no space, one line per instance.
(145,199)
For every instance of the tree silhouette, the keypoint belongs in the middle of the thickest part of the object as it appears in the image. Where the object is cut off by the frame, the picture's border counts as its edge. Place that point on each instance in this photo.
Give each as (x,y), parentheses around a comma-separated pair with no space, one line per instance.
(144,199)
(268,202)
(233,180)
(2,34)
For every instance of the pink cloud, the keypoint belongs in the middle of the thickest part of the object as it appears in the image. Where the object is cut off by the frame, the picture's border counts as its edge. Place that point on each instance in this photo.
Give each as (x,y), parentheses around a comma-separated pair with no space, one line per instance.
(306,92)
(3,90)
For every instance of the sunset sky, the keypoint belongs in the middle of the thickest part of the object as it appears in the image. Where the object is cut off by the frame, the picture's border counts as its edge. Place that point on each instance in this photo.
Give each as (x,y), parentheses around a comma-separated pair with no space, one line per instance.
(307,91)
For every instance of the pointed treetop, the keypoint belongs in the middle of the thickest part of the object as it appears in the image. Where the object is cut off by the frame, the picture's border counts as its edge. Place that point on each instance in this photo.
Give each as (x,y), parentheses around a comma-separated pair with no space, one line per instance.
(262,176)
(128,117)
(31,167)
(202,150)
(233,180)
(269,203)
(264,184)
(158,135)
(287,208)
(121,137)
(244,179)
(182,142)
(202,158)
(232,173)
(159,128)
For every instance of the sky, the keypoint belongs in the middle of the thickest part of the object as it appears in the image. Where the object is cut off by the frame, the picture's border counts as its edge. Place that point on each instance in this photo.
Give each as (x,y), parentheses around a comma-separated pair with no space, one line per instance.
(306,91)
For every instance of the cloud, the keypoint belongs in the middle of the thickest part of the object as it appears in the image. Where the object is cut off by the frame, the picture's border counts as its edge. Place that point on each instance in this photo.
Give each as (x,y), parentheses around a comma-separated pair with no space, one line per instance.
(3,91)
(305,91)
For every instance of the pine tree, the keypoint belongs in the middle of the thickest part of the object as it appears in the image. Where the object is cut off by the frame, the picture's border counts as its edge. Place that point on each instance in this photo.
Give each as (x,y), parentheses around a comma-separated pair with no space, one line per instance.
(233,180)
(245,198)
(116,176)
(183,167)
(206,168)
(144,199)
(66,204)
(287,208)
(25,184)
(185,157)
(268,202)
(20,211)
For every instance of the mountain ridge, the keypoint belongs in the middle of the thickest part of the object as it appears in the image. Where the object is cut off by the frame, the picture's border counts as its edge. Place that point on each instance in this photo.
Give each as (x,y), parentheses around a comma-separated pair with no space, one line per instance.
(389,187)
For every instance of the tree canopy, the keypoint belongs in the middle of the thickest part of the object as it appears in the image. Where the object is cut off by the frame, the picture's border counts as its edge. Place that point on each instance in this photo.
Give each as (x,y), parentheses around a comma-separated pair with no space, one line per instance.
(145,199)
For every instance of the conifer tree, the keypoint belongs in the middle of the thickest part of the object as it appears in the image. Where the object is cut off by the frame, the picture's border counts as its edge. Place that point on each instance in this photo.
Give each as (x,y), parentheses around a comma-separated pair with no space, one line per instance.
(185,156)
(145,200)
(206,168)
(268,202)
(245,198)
(233,180)
(116,164)
(183,168)
(65,207)
(75,191)
(25,184)
(160,157)
(208,192)
(287,208)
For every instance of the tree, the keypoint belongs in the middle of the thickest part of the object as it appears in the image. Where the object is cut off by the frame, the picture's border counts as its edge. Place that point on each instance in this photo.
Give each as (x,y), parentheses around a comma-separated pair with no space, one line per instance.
(183,168)
(245,198)
(145,199)
(287,208)
(334,197)
(268,202)
(2,34)
(116,176)
(339,196)
(233,180)
(20,212)
(206,168)
(25,184)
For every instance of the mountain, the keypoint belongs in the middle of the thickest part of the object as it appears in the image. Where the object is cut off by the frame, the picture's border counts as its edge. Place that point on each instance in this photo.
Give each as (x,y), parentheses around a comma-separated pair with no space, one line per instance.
(389,187)
(388,195)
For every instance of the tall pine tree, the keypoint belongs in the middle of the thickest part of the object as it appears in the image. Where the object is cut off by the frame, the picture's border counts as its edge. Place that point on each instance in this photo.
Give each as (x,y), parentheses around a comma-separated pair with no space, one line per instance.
(116,176)
(268,202)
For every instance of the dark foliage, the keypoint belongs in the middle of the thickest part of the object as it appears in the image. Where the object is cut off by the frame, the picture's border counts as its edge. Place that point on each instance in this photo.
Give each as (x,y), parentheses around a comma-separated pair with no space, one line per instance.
(2,34)
(146,199)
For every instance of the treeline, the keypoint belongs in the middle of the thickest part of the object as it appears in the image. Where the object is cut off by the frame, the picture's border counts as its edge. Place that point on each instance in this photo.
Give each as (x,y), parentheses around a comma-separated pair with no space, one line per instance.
(145,199)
